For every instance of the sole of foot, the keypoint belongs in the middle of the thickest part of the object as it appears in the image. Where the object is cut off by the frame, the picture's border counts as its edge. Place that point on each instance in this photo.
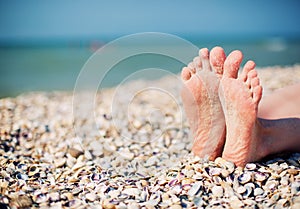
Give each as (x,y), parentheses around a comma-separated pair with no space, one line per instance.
(240,96)
(201,102)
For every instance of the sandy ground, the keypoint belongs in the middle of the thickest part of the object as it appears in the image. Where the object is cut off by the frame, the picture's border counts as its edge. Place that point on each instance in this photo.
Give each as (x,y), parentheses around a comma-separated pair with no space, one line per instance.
(131,151)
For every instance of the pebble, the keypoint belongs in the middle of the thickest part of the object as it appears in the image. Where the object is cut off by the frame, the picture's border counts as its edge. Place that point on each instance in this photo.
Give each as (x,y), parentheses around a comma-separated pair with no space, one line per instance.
(75,152)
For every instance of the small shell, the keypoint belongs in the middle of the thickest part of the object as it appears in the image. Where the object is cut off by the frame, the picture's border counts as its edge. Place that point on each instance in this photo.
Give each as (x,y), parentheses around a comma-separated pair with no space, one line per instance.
(114,193)
(75,152)
(144,196)
(186,187)
(22,166)
(275,197)
(154,199)
(175,207)
(60,162)
(282,203)
(249,189)
(76,190)
(215,171)
(75,203)
(91,197)
(187,181)
(225,173)
(241,189)
(177,189)
(245,177)
(217,180)
(284,181)
(259,176)
(235,202)
(173,182)
(295,188)
(21,176)
(293,171)
(67,196)
(96,177)
(133,205)
(39,198)
(250,166)
(220,161)
(33,170)
(126,154)
(230,166)
(271,185)
(260,198)
(131,192)
(217,191)
(258,191)
(195,188)
(54,196)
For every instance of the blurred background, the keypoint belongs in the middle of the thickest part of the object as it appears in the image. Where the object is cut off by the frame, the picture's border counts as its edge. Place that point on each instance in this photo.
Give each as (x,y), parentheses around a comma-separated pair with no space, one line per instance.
(44,44)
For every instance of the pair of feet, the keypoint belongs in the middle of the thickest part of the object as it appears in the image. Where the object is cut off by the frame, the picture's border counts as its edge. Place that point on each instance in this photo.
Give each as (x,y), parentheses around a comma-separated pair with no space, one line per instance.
(221,106)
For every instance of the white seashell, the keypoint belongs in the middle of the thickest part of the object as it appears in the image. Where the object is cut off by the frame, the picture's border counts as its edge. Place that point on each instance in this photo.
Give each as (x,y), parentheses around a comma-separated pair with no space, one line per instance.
(217,191)
(215,171)
(241,190)
(133,205)
(271,185)
(282,203)
(131,191)
(114,193)
(230,166)
(217,180)
(245,177)
(91,197)
(177,189)
(258,191)
(295,188)
(259,176)
(153,160)
(126,154)
(195,188)
(250,166)
(249,188)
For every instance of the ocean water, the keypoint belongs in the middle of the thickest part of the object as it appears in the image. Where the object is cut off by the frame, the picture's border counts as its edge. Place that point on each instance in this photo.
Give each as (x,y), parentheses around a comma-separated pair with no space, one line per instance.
(49,67)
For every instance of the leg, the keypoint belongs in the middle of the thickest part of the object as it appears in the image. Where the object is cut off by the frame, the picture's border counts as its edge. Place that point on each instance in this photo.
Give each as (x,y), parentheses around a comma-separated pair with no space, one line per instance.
(283,103)
(201,102)
(281,135)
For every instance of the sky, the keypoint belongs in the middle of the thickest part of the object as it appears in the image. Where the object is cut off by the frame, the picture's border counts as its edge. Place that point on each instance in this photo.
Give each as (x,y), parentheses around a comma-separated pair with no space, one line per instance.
(77,18)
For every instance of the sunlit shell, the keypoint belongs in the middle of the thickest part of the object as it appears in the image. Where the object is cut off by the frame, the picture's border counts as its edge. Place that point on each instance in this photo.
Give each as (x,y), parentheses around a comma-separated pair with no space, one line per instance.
(217,191)
(250,166)
(245,177)
(195,188)
(259,176)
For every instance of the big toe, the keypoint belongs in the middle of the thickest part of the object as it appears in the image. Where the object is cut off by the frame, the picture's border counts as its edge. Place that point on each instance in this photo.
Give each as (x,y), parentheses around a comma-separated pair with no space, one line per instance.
(217,59)
(232,64)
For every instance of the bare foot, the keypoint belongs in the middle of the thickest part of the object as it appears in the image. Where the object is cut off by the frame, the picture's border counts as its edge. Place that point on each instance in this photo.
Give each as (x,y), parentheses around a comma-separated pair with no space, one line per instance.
(201,102)
(239,97)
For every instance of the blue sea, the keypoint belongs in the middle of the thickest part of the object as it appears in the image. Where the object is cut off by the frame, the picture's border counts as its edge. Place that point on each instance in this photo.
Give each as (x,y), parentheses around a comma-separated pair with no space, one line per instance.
(55,65)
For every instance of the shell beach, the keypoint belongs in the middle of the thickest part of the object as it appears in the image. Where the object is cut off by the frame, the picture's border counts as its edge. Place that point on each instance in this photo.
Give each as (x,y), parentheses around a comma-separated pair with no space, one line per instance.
(134,157)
